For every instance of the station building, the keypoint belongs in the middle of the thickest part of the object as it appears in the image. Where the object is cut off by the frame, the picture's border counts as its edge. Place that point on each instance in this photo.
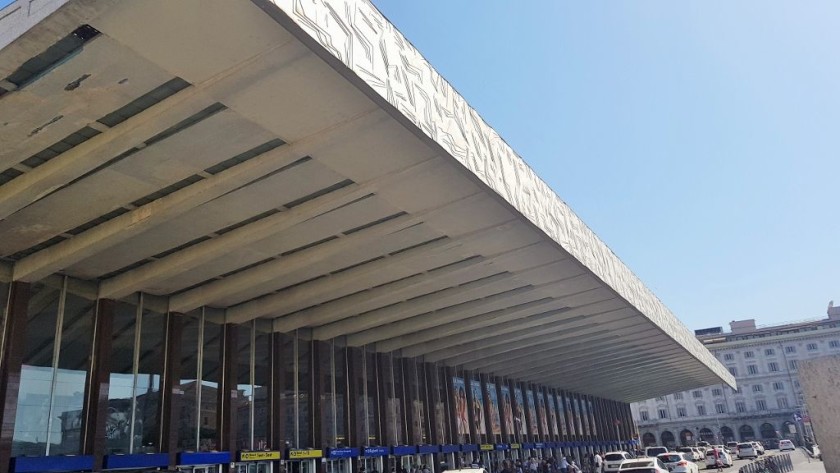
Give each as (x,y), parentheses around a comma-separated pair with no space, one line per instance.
(251,235)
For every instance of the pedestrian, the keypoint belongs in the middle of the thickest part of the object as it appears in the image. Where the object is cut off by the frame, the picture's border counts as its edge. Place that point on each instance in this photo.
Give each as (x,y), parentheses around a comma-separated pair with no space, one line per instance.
(564,465)
(599,461)
(718,460)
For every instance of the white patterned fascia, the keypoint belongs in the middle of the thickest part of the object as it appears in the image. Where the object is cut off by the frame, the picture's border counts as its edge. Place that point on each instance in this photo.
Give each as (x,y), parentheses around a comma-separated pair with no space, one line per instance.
(357,34)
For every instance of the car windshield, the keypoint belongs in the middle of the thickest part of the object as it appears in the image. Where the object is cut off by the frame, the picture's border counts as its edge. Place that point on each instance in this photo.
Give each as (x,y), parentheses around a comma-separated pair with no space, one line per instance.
(670,458)
(635,464)
(685,449)
(613,457)
(745,445)
(656,451)
(643,470)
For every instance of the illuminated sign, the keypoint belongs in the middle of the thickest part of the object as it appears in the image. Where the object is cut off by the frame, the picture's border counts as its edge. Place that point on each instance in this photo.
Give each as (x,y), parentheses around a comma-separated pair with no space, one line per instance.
(515,446)
(487,447)
(304,454)
(258,456)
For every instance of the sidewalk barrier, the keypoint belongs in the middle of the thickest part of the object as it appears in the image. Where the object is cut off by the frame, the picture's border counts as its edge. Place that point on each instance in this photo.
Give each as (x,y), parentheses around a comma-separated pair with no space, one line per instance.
(780,463)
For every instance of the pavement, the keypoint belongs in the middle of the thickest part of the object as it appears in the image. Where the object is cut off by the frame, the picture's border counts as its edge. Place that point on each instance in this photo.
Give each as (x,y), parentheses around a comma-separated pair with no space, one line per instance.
(802,463)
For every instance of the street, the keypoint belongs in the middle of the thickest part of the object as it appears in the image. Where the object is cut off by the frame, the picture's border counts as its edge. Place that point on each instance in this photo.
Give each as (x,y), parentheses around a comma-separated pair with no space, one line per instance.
(801,463)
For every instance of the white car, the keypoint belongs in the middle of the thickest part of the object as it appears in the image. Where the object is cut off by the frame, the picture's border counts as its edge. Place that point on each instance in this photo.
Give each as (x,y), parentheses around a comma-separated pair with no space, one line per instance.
(725,458)
(613,460)
(747,450)
(693,452)
(654,451)
(679,462)
(786,444)
(649,465)
(758,447)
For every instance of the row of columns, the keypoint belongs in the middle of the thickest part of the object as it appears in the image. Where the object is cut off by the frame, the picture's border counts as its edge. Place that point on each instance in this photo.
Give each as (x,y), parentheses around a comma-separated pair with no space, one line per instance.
(418,381)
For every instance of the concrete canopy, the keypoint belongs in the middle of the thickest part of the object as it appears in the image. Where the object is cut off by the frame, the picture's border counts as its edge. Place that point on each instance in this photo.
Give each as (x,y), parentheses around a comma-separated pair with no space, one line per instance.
(301,163)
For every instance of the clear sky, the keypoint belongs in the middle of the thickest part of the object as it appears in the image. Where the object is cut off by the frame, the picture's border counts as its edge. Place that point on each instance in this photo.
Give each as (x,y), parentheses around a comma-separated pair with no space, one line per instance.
(699,140)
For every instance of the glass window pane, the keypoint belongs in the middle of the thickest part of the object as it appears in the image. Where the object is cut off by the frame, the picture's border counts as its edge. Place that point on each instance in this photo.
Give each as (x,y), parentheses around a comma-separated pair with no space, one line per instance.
(304,393)
(73,361)
(287,353)
(372,397)
(118,422)
(340,378)
(245,392)
(147,387)
(262,381)
(187,413)
(210,372)
(33,406)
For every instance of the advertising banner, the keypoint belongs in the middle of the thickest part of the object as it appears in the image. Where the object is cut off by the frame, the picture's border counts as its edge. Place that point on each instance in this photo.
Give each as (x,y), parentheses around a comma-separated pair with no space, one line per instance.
(459,396)
(578,420)
(532,413)
(495,418)
(519,412)
(592,418)
(478,407)
(507,410)
(561,416)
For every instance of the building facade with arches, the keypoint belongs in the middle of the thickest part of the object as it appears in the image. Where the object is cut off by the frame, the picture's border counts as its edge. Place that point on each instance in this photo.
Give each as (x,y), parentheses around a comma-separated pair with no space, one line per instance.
(767,404)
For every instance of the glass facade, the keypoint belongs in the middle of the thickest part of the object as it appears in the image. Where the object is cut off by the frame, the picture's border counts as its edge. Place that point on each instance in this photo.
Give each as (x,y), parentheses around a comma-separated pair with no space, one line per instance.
(322,394)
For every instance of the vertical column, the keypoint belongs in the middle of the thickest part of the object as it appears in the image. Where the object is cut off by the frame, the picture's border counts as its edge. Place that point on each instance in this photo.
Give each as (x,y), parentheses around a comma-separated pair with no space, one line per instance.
(276,399)
(383,370)
(96,392)
(356,427)
(227,394)
(14,336)
(169,396)
(452,415)
(433,400)
(321,354)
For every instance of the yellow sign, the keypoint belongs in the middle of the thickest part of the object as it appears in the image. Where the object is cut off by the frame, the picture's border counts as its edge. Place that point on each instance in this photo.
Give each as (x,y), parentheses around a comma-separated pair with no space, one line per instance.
(302,454)
(515,446)
(486,446)
(258,456)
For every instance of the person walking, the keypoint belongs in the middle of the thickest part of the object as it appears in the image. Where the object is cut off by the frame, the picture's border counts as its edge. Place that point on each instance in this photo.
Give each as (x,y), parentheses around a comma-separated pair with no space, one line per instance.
(564,465)
(599,462)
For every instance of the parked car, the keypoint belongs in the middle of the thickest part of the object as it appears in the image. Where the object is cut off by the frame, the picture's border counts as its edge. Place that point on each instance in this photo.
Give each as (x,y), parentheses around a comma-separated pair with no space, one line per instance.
(694,452)
(647,465)
(725,458)
(786,444)
(613,460)
(747,450)
(679,462)
(646,469)
(654,451)
(732,447)
(759,447)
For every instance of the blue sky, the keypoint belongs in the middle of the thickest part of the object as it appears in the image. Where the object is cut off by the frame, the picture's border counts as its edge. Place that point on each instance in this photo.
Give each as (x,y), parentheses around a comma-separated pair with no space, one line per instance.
(700,140)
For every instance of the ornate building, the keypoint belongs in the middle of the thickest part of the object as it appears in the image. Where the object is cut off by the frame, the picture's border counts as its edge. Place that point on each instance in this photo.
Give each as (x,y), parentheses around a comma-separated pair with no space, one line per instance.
(768,403)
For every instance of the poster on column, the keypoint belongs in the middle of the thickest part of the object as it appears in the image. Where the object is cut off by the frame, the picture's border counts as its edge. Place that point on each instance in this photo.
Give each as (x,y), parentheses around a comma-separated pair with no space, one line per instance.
(543,413)
(578,420)
(478,407)
(571,413)
(561,416)
(507,410)
(552,415)
(592,418)
(519,412)
(495,418)
(532,413)
(459,395)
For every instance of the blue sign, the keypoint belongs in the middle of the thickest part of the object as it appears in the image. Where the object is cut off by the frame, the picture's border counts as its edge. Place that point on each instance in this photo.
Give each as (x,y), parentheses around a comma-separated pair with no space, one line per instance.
(450,448)
(502,446)
(204,458)
(421,449)
(469,447)
(539,445)
(375,452)
(403,450)
(344,452)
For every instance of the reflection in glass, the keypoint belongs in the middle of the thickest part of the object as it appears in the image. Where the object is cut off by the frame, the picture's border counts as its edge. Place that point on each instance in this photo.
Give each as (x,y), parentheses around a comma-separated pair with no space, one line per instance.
(262,380)
(118,423)
(33,406)
(147,382)
(209,392)
(244,387)
(187,407)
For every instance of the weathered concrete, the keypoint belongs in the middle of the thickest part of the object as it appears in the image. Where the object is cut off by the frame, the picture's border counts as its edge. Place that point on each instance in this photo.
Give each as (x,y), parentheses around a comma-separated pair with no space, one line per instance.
(820,380)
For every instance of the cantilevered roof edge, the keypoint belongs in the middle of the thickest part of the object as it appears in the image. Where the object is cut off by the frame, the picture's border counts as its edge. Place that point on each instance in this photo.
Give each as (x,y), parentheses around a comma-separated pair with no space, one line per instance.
(360,37)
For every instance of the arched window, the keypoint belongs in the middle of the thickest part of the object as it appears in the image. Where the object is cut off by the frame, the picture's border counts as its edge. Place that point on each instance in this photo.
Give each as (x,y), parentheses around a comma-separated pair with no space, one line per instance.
(668,439)
(727,434)
(768,431)
(686,438)
(747,433)
(707,435)
(648,439)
